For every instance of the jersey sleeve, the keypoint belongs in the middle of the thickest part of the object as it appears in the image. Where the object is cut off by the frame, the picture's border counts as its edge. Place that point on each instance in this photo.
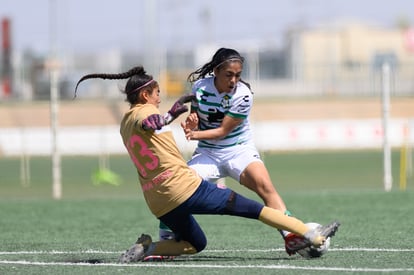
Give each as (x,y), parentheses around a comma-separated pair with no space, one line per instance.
(194,103)
(241,104)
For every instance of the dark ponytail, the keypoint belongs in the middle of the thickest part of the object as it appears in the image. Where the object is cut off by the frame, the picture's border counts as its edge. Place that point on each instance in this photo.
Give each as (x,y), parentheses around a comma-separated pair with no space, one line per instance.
(138,79)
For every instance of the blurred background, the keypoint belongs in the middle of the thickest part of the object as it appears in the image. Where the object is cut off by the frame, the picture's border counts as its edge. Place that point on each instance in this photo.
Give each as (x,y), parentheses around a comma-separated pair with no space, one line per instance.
(316,68)
(293,48)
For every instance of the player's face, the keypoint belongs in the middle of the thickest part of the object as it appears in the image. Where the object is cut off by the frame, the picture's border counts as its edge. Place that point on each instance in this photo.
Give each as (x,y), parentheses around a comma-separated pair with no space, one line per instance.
(154,98)
(227,76)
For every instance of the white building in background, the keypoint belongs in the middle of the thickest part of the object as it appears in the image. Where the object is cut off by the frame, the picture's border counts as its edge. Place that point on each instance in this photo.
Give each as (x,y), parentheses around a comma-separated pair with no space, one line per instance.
(346,57)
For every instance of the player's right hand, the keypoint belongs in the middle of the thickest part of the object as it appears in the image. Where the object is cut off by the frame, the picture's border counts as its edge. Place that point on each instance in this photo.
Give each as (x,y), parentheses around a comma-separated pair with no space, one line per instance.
(191,122)
(178,108)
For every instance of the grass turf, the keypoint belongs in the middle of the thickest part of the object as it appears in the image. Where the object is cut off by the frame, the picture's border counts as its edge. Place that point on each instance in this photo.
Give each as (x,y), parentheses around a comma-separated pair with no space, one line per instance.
(93,224)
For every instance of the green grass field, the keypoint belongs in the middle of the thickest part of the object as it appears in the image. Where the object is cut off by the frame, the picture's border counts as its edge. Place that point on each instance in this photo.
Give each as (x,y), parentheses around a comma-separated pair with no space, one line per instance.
(85,231)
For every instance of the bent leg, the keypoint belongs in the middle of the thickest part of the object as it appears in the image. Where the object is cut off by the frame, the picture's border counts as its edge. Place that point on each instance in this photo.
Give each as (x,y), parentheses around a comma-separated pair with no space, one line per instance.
(185,228)
(189,237)
(257,178)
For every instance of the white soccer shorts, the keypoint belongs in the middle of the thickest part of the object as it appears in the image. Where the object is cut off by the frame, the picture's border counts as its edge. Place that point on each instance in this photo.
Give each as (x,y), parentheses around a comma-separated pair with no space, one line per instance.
(213,164)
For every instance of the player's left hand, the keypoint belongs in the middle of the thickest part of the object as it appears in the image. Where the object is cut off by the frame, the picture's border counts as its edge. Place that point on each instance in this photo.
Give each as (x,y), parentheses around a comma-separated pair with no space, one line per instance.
(179,107)
(154,122)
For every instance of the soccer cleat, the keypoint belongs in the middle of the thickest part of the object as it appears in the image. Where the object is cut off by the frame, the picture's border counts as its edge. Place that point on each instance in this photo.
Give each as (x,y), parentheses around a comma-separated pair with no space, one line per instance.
(315,238)
(137,252)
(329,230)
(294,242)
(318,236)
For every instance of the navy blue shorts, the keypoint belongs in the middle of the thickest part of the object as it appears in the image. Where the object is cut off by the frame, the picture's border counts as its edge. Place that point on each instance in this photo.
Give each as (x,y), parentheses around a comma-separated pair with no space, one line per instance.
(209,199)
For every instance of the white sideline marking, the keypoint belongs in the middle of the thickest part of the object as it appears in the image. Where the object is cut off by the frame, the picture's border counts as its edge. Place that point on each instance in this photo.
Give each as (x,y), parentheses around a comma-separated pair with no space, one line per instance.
(204,266)
(214,266)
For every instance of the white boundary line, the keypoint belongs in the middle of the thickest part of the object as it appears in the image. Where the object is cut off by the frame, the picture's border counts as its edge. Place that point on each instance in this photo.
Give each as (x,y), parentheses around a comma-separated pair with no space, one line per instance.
(166,265)
(89,251)
(205,266)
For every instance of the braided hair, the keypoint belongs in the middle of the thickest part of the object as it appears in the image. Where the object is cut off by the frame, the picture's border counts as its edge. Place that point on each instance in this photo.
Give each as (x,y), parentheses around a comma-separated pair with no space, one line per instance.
(221,57)
(138,80)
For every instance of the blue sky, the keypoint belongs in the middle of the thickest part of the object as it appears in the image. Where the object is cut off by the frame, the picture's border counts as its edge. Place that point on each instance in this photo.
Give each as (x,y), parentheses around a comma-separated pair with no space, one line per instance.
(97,25)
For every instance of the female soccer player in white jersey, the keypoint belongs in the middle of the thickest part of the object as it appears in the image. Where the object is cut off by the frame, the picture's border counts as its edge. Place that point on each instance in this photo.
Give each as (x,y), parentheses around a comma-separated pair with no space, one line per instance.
(172,190)
(219,120)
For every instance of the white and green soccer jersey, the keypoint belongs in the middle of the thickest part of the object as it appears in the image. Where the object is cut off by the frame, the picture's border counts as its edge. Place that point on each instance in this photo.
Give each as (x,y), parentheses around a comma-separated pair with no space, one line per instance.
(212,106)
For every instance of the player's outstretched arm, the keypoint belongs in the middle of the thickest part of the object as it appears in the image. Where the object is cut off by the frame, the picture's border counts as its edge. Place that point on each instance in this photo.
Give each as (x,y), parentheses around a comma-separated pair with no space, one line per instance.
(178,108)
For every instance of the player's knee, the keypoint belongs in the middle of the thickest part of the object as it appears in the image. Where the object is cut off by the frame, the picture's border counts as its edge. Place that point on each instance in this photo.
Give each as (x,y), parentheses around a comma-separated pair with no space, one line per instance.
(197,239)
(200,245)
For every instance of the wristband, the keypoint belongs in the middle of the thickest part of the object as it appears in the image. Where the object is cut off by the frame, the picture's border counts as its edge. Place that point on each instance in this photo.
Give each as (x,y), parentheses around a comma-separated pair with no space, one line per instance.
(168,118)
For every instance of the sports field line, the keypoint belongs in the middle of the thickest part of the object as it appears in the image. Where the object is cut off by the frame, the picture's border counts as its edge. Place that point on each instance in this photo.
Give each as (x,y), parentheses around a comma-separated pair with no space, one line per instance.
(344,249)
(205,266)
(232,266)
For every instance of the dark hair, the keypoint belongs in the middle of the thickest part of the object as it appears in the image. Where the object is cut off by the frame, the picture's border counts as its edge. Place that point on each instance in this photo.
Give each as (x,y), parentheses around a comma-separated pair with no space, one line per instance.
(222,56)
(138,80)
